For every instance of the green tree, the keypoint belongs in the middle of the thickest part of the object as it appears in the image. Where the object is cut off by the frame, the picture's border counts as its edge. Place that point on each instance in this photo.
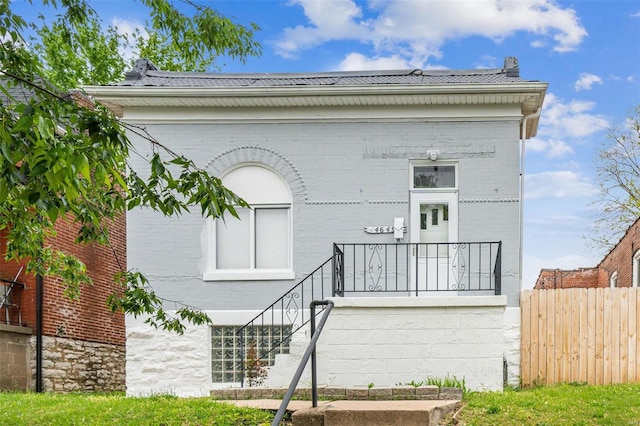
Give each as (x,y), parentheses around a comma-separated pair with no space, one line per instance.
(77,48)
(62,159)
(618,166)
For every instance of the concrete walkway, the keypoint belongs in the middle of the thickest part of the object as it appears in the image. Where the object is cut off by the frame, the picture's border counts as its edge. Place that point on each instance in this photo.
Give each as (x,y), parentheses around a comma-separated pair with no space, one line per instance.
(359,413)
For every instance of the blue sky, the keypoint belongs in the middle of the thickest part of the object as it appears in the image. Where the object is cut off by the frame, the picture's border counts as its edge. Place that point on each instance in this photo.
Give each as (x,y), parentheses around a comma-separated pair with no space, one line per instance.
(588,52)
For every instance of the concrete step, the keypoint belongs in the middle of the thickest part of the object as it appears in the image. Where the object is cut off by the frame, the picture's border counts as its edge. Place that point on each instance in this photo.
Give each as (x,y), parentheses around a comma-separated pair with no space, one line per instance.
(361,413)
(375,413)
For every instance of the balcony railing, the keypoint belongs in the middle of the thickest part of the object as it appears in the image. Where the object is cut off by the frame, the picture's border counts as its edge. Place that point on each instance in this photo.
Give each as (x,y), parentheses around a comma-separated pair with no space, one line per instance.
(416,268)
(10,301)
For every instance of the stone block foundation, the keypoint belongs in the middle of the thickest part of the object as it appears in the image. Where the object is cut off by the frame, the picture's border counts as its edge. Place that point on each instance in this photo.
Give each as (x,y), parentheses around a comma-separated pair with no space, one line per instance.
(79,366)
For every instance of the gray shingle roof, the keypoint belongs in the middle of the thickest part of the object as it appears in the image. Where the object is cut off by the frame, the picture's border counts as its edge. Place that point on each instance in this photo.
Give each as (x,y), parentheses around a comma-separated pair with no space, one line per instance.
(145,74)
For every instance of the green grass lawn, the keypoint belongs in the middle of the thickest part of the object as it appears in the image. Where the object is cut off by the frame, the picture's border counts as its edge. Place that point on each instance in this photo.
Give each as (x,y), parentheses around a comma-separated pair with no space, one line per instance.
(617,405)
(116,409)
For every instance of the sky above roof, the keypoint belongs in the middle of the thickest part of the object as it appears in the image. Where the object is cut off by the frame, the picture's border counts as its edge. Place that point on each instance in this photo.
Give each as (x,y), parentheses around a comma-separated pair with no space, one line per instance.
(588,52)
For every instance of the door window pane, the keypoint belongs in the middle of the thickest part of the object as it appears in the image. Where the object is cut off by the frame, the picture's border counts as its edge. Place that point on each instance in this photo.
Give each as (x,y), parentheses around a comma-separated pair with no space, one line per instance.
(272,237)
(232,251)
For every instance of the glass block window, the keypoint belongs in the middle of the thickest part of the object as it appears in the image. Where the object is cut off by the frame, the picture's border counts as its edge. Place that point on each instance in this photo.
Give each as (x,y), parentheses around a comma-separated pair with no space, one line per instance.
(226,357)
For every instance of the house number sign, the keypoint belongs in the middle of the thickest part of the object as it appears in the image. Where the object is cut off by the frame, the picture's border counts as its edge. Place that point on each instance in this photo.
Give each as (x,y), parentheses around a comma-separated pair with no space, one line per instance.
(382,229)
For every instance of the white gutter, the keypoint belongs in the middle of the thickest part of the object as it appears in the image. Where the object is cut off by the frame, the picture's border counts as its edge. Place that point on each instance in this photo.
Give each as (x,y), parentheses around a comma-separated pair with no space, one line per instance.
(523,137)
(524,88)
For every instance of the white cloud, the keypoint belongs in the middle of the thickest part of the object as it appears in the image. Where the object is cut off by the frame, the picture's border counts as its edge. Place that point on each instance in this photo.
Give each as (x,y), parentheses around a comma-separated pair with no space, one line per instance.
(487,61)
(129,28)
(551,148)
(416,30)
(558,149)
(357,61)
(563,125)
(557,184)
(536,145)
(586,81)
(569,120)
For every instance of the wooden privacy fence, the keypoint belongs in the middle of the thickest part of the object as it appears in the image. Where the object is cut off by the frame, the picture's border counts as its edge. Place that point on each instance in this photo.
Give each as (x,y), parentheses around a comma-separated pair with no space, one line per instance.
(580,335)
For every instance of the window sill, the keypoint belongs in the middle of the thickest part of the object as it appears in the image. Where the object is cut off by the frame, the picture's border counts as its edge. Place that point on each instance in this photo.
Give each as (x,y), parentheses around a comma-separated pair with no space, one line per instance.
(249,275)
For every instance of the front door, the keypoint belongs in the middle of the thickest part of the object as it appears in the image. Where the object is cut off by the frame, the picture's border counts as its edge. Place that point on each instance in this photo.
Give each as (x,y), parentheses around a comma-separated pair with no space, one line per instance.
(434,227)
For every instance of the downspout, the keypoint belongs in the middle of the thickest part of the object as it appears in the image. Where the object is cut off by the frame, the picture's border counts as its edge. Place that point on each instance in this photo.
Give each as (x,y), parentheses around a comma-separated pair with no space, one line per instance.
(523,137)
(39,299)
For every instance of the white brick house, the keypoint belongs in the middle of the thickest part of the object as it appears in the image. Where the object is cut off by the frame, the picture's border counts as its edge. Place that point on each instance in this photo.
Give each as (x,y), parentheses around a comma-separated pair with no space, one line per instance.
(414,175)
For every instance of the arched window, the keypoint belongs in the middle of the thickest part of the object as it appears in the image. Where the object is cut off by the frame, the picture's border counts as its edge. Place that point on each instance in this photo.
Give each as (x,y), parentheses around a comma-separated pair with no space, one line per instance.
(636,270)
(613,279)
(258,246)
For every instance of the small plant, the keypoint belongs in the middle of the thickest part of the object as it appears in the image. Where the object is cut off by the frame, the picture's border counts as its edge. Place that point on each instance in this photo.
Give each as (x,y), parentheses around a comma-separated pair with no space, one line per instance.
(447,382)
(255,368)
(493,409)
(370,385)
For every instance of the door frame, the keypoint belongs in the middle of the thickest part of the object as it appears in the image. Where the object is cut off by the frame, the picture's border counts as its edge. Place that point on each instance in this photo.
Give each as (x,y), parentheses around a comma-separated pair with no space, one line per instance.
(416,198)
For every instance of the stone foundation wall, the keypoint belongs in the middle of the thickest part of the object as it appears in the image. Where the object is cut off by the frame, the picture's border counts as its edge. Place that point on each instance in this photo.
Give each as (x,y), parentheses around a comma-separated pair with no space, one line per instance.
(70,365)
(14,349)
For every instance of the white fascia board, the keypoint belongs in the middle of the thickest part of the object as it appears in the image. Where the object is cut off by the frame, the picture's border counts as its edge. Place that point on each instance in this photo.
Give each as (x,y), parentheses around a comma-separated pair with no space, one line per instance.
(269,91)
(117,97)
(141,115)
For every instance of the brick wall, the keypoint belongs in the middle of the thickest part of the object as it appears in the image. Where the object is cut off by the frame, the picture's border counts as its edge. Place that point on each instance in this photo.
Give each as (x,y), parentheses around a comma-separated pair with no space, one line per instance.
(619,259)
(559,278)
(87,318)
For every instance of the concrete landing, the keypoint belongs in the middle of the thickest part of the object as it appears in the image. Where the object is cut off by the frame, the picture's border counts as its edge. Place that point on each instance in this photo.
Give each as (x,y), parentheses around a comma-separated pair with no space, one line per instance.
(360,413)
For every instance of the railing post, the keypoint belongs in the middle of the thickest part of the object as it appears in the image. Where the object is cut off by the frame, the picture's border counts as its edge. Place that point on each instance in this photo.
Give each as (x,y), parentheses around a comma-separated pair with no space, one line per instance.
(334,274)
(314,369)
(415,252)
(337,284)
(498,269)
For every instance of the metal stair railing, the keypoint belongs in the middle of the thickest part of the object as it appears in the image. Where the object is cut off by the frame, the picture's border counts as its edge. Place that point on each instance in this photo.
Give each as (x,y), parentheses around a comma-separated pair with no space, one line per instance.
(309,353)
(284,317)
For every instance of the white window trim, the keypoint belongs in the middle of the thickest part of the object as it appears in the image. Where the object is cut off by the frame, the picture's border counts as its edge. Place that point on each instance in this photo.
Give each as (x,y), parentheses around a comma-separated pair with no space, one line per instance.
(249,274)
(635,277)
(613,280)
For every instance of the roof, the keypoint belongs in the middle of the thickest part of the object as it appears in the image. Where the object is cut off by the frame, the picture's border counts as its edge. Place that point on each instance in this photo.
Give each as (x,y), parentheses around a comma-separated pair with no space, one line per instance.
(146,86)
(146,74)
(17,91)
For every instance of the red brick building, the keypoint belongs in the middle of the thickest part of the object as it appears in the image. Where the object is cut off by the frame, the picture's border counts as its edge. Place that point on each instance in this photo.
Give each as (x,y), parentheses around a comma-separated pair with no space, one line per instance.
(619,268)
(82,346)
(79,345)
